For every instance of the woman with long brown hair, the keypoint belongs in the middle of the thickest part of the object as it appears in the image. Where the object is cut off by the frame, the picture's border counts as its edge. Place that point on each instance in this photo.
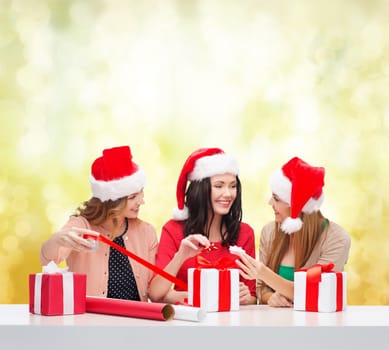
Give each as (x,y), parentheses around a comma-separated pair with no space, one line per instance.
(117,193)
(299,236)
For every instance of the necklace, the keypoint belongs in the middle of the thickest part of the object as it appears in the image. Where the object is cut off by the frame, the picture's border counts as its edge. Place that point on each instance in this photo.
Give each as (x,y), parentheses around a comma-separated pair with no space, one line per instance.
(126,228)
(110,235)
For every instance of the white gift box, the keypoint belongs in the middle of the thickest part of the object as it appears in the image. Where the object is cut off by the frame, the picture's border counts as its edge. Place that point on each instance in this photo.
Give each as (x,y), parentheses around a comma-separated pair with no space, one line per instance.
(329,294)
(208,290)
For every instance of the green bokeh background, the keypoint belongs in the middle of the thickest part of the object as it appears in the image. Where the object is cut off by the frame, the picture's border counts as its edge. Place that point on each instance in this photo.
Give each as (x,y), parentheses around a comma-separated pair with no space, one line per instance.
(264,80)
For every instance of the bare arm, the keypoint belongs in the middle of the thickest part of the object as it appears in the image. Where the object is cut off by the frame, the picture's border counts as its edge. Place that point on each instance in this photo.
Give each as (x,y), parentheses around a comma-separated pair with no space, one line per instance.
(61,243)
(245,297)
(160,288)
(253,269)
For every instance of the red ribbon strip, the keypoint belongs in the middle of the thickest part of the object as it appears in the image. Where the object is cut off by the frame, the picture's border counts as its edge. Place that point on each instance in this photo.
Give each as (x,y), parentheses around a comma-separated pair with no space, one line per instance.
(313,279)
(145,263)
(224,290)
(196,287)
(339,291)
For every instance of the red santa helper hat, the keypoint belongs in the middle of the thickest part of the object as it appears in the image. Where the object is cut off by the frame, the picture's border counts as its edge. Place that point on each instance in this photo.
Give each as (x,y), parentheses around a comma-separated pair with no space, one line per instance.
(202,163)
(115,175)
(301,186)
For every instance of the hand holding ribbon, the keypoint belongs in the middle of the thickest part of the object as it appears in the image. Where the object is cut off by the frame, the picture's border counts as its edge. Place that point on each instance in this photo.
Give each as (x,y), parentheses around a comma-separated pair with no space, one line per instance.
(95,235)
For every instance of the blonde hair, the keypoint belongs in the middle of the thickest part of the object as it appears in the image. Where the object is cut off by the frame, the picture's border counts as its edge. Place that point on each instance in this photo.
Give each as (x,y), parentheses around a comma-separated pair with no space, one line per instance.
(98,212)
(304,241)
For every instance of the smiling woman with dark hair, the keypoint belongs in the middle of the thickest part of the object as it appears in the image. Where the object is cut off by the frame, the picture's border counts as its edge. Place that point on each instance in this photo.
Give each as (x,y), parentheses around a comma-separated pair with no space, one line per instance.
(206,222)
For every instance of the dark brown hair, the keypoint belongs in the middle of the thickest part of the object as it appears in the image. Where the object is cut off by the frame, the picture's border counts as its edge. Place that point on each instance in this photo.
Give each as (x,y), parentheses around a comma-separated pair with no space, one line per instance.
(198,201)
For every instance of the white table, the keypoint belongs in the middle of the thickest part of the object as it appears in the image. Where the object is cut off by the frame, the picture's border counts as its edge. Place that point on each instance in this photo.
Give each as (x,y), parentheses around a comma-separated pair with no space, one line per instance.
(253,327)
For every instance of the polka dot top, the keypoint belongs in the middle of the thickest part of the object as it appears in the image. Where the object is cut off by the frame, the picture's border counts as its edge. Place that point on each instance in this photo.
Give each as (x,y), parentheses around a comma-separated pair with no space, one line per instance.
(121,281)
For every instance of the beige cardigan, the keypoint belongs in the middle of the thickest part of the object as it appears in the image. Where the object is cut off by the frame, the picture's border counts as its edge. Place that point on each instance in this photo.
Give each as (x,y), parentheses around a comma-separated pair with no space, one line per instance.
(333,246)
(141,240)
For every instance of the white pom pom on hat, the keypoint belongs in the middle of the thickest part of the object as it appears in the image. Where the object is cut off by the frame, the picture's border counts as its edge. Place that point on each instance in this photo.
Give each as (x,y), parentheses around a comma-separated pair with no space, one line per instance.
(202,163)
(114,175)
(301,186)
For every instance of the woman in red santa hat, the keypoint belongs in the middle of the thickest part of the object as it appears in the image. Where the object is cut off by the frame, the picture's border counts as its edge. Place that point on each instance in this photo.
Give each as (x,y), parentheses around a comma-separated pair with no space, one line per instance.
(207,222)
(300,236)
(117,193)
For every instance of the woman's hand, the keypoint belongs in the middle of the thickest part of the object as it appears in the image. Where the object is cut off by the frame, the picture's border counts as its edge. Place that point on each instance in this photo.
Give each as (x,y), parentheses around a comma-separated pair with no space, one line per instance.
(73,238)
(245,297)
(249,267)
(278,300)
(192,245)
(253,269)
(160,288)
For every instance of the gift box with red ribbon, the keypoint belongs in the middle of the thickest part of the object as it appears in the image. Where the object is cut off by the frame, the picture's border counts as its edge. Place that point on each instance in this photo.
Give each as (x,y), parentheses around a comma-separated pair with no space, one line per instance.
(57,292)
(214,286)
(320,289)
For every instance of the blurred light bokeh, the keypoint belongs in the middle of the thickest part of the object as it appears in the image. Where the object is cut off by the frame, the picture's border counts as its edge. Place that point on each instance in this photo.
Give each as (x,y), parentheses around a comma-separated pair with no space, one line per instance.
(264,80)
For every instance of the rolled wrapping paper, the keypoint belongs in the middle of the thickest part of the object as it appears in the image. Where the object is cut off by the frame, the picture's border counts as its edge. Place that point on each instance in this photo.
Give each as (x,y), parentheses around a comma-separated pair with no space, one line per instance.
(189,313)
(130,308)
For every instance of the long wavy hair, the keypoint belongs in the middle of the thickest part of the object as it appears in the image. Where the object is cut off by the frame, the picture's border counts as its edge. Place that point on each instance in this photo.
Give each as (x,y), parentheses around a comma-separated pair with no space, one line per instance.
(303,243)
(198,201)
(98,212)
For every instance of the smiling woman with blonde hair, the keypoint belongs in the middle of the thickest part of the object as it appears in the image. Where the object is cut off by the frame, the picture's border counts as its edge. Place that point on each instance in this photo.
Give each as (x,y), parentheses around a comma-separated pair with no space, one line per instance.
(299,236)
(117,193)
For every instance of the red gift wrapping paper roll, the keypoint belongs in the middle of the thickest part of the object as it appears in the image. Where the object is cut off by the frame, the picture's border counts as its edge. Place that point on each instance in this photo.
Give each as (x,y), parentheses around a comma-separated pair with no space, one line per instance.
(130,308)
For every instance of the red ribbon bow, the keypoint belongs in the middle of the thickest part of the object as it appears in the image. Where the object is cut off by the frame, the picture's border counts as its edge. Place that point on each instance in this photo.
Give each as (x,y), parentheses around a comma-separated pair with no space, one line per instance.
(220,264)
(313,279)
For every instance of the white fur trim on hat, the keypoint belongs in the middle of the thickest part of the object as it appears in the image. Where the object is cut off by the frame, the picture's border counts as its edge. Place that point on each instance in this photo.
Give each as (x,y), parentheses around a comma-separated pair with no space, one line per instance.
(115,189)
(180,214)
(290,225)
(281,185)
(313,204)
(220,163)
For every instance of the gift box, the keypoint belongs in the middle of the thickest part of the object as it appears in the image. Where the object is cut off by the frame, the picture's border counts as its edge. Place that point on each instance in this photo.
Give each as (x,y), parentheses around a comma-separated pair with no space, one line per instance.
(320,289)
(214,287)
(57,292)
